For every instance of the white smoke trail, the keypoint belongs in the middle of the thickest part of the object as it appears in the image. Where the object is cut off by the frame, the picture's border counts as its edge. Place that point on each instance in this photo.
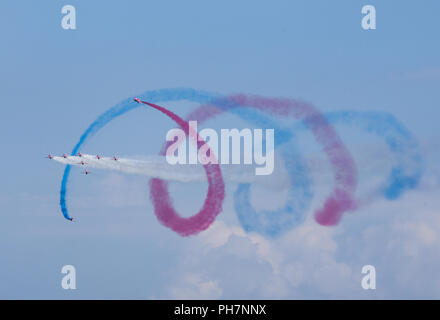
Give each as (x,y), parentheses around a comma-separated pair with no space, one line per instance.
(158,167)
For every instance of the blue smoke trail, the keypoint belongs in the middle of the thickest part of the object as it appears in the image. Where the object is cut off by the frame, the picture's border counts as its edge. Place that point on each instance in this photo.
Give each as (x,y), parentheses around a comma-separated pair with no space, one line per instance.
(120,109)
(268,222)
(409,169)
(406,174)
(273,223)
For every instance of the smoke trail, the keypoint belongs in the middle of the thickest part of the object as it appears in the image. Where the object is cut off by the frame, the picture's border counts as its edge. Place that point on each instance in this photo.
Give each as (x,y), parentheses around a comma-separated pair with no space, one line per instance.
(342,197)
(409,169)
(158,167)
(345,181)
(404,175)
(271,223)
(162,202)
(120,109)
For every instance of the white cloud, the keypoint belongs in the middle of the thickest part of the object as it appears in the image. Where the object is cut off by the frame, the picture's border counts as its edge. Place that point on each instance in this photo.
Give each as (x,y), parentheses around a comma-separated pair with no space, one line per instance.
(192,287)
(400,238)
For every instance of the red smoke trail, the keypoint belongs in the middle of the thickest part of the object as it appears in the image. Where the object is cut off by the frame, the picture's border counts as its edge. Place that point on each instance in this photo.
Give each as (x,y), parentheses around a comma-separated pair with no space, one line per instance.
(163,203)
(341,198)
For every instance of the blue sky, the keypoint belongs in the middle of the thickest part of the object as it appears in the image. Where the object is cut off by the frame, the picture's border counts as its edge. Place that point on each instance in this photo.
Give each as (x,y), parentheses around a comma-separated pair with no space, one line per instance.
(55,82)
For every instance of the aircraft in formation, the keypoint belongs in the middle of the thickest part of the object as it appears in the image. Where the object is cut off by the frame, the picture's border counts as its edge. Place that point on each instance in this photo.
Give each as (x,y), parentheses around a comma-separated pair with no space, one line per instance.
(86,172)
(50,156)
